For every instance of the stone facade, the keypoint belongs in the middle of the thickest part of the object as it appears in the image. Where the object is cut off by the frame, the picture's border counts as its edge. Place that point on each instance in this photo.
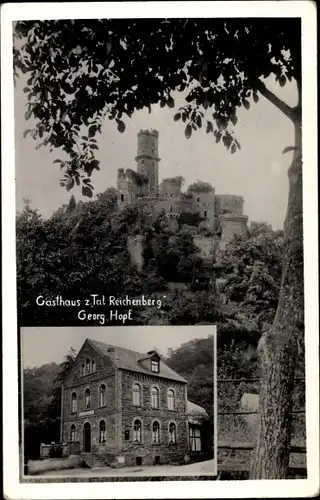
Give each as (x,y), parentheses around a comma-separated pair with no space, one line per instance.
(141,187)
(107,425)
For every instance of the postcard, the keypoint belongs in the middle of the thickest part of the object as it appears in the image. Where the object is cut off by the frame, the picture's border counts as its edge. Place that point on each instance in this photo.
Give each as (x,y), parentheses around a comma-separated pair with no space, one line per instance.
(159,191)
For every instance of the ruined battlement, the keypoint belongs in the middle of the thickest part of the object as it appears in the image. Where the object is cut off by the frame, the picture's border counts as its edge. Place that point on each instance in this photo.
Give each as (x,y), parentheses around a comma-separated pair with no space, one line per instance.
(229,203)
(171,186)
(151,132)
(141,186)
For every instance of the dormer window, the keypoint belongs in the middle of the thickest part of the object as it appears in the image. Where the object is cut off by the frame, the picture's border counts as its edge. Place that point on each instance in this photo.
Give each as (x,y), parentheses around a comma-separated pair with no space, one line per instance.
(155,365)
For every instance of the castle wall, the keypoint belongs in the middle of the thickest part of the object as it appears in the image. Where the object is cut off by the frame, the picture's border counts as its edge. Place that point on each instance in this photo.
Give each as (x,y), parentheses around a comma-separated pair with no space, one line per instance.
(135,248)
(232,225)
(204,204)
(126,190)
(228,203)
(206,245)
(169,187)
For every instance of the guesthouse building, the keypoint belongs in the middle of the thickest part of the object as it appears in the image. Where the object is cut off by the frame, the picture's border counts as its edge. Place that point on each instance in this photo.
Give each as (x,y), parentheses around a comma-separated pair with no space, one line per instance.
(127,408)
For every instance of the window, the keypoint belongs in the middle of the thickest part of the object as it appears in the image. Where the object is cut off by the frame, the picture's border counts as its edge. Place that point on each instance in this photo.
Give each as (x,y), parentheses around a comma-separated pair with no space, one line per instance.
(198,199)
(205,214)
(83,369)
(73,402)
(102,432)
(137,431)
(102,395)
(156,432)
(88,365)
(155,397)
(73,433)
(122,197)
(126,435)
(93,366)
(170,399)
(194,439)
(87,397)
(136,395)
(155,365)
(172,433)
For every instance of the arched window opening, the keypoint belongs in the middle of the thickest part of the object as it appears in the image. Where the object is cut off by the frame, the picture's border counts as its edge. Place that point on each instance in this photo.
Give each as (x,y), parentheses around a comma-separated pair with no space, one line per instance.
(102,432)
(156,432)
(87,398)
(136,395)
(155,397)
(137,431)
(73,433)
(73,402)
(170,400)
(83,369)
(93,366)
(88,365)
(102,395)
(172,433)
(122,197)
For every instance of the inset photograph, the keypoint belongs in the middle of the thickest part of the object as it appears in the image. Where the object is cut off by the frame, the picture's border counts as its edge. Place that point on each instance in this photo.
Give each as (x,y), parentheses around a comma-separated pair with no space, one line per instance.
(118,402)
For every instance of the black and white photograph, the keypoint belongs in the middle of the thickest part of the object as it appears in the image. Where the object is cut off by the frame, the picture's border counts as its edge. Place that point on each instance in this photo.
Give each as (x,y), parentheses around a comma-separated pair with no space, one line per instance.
(161,264)
(107,403)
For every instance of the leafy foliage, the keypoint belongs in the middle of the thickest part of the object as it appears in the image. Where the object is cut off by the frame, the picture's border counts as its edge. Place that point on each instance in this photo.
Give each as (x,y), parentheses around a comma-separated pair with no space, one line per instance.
(72,254)
(200,187)
(253,269)
(81,71)
(42,404)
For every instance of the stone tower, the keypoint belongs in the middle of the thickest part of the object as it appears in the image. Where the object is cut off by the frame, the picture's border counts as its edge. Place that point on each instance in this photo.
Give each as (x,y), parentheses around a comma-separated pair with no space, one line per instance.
(148,160)
(229,209)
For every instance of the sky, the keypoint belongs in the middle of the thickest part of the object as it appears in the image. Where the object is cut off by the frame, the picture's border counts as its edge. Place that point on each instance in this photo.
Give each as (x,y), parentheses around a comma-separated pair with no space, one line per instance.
(258,172)
(42,345)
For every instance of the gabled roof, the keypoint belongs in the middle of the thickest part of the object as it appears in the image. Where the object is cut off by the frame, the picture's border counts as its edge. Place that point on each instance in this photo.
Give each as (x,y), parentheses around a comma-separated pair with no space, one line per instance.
(126,359)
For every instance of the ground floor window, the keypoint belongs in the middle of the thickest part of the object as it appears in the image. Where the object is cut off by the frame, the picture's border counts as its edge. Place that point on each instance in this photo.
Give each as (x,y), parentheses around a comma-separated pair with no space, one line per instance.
(194,438)
(137,431)
(73,433)
(102,432)
(155,432)
(172,433)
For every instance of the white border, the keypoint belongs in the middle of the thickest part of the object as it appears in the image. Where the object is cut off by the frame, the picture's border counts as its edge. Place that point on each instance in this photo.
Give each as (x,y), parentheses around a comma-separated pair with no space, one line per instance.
(195,489)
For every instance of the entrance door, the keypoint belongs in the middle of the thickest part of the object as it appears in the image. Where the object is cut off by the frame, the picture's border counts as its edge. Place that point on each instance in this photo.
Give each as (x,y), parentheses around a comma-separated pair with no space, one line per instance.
(87,438)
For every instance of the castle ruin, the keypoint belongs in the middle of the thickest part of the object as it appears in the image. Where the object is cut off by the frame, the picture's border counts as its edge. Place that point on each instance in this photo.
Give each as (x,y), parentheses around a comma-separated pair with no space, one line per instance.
(221,214)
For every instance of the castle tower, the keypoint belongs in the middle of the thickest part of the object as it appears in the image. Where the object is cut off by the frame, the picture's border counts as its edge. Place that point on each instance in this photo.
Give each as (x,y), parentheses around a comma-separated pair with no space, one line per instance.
(229,208)
(147,159)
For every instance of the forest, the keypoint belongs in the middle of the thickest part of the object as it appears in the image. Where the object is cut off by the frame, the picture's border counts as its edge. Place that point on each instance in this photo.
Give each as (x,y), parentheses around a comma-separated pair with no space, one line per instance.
(82,248)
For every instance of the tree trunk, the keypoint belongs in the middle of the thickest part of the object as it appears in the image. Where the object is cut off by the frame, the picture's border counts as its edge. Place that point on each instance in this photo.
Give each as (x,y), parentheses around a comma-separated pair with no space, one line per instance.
(278,347)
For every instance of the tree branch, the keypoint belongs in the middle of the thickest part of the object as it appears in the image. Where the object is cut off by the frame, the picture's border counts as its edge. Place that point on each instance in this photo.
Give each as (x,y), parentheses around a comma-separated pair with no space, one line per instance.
(285,108)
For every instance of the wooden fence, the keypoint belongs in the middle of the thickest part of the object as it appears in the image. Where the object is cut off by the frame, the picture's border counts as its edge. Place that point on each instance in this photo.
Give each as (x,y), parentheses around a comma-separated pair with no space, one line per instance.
(236,466)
